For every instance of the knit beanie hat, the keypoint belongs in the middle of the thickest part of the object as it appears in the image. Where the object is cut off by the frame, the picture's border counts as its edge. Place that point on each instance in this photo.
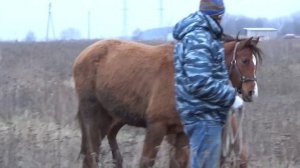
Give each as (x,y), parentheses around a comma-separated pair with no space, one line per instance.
(212,7)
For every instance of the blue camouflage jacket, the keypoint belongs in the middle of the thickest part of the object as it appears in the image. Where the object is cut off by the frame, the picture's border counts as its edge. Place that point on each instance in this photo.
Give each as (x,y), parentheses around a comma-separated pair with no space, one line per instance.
(202,84)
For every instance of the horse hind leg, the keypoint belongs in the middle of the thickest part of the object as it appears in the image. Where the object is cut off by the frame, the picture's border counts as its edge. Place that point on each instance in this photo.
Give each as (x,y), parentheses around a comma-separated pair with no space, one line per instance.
(111,137)
(171,139)
(93,121)
(179,154)
(154,136)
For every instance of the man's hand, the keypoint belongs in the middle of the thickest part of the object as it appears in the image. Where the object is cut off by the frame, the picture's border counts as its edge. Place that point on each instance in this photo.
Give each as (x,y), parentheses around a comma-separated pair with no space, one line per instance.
(237,104)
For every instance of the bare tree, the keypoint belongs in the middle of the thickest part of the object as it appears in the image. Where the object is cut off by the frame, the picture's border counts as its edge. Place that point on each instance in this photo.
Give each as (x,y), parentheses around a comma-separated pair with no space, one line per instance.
(30,36)
(70,34)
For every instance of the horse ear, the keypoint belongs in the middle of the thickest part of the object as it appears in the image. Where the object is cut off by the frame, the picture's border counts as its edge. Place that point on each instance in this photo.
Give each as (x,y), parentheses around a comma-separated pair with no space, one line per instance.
(237,36)
(248,41)
(255,41)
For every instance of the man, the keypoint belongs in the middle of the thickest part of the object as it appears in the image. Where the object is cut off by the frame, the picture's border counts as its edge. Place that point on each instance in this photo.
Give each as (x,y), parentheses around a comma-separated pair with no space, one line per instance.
(203,93)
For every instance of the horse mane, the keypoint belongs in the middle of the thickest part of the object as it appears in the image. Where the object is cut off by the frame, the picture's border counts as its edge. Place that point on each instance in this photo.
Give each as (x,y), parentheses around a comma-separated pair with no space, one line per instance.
(256,50)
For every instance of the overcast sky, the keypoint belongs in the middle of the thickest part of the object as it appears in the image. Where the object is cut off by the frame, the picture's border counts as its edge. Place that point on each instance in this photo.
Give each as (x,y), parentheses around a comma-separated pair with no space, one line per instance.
(17,17)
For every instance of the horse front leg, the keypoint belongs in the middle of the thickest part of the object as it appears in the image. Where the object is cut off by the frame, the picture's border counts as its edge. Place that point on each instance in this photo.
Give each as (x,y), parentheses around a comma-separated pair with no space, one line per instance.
(244,155)
(154,136)
(234,143)
(112,140)
(240,146)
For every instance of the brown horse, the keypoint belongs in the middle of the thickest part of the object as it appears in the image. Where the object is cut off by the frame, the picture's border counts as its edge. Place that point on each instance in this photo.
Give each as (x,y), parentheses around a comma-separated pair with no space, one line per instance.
(120,83)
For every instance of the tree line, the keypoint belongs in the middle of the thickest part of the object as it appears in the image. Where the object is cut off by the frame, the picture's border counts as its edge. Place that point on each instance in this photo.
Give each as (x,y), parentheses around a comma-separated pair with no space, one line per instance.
(285,25)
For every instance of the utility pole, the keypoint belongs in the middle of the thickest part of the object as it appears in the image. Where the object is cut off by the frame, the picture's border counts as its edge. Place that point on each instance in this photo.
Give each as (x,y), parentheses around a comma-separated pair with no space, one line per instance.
(50,23)
(161,13)
(89,24)
(125,17)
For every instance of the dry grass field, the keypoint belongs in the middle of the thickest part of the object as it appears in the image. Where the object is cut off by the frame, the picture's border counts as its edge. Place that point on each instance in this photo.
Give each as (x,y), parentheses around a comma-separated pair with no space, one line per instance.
(38,128)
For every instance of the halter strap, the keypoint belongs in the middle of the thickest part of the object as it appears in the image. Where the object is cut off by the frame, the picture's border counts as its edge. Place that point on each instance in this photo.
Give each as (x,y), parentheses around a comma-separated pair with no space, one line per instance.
(235,49)
(233,61)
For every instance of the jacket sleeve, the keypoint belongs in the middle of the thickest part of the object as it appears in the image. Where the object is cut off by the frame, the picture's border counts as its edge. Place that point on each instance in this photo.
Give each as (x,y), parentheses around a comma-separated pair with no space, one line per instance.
(198,68)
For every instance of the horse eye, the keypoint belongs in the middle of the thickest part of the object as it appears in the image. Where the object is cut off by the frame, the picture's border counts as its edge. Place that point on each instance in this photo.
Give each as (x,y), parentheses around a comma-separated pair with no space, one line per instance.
(245,61)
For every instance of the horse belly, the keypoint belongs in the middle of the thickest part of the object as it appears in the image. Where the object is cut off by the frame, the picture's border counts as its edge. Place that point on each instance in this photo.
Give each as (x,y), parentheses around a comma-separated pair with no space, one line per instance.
(128,109)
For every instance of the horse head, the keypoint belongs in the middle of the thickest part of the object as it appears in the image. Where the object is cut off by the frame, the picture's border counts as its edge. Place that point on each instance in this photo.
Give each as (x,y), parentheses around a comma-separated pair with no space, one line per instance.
(243,55)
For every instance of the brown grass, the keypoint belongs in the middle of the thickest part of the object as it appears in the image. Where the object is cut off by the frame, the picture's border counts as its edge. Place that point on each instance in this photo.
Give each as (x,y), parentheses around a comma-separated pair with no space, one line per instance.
(38,128)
